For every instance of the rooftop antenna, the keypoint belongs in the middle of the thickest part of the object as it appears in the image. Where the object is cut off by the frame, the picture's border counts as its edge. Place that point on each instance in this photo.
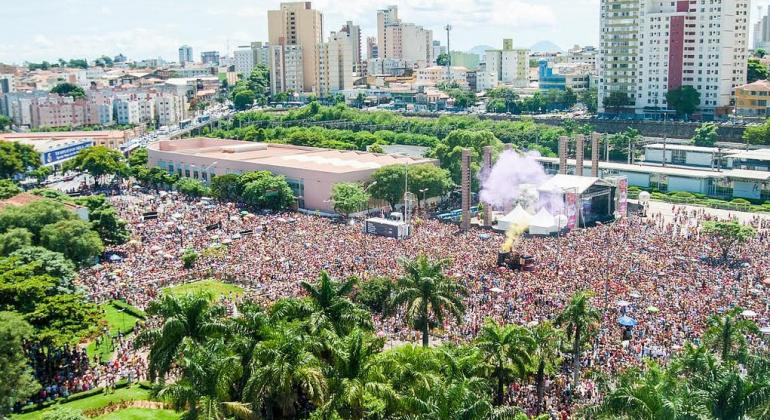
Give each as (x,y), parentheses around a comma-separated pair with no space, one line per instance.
(448,53)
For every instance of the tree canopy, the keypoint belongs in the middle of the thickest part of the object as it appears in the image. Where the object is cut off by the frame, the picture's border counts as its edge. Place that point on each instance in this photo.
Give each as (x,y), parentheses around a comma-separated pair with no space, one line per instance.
(756,70)
(684,100)
(349,197)
(69,89)
(706,135)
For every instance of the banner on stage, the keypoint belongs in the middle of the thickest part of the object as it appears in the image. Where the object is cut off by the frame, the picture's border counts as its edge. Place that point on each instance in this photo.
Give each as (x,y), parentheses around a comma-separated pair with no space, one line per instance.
(571,209)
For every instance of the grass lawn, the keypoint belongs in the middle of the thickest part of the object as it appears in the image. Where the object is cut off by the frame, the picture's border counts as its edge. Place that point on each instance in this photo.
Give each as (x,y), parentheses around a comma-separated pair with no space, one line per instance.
(117,321)
(215,288)
(141,414)
(133,393)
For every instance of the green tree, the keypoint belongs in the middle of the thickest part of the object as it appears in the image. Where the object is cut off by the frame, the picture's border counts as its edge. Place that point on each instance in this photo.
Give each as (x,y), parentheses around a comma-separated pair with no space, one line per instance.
(192,317)
(243,100)
(442,59)
(34,216)
(463,98)
(59,412)
(69,89)
(504,99)
(226,187)
(63,320)
(757,134)
(349,197)
(756,70)
(449,151)
(262,189)
(617,100)
(41,173)
(17,158)
(727,235)
(204,389)
(53,264)
(8,189)
(427,295)
(506,349)
(374,293)
(74,239)
(726,334)
(191,187)
(706,135)
(388,184)
(590,98)
(13,240)
(285,372)
(138,158)
(546,357)
(428,180)
(111,228)
(189,257)
(17,382)
(580,319)
(99,161)
(5,122)
(684,100)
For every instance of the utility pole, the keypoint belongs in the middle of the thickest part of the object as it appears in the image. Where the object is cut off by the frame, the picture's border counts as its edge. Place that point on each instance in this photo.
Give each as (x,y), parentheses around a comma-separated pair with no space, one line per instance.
(665,139)
(448,54)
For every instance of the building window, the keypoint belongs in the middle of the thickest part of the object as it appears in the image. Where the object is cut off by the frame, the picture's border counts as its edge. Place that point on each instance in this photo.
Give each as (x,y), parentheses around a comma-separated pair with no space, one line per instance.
(678,157)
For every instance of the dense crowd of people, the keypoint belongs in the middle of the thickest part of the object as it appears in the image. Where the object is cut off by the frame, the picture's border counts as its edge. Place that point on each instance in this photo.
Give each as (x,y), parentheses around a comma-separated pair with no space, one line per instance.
(660,272)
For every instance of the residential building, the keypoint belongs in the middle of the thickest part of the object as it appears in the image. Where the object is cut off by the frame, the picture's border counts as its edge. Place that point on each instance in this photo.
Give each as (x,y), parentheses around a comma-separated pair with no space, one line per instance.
(583,55)
(753,99)
(210,57)
(438,49)
(58,111)
(510,66)
(286,68)
(372,49)
(310,172)
(185,55)
(335,64)
(127,111)
(403,41)
(170,109)
(649,48)
(388,66)
(261,54)
(762,32)
(295,28)
(6,83)
(243,58)
(99,107)
(354,33)
(432,76)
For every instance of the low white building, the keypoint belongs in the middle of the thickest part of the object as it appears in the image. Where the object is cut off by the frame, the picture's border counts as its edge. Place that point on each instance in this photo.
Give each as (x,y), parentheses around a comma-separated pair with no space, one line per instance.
(432,76)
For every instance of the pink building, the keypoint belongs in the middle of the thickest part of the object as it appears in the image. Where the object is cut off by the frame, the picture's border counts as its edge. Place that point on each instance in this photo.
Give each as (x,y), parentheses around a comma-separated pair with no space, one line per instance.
(311,172)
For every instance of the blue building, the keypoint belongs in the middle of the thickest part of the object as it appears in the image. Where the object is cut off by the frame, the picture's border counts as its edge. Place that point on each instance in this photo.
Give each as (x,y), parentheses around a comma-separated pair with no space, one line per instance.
(549,80)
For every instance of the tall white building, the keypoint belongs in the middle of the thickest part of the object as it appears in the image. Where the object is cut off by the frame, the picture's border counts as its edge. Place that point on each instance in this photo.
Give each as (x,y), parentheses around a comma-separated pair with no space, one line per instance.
(354,33)
(336,64)
(762,32)
(649,48)
(508,66)
(243,60)
(403,41)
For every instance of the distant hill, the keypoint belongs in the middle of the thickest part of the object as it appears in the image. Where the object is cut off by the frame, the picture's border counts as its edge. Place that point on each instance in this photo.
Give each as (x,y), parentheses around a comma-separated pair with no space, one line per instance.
(480,49)
(545,46)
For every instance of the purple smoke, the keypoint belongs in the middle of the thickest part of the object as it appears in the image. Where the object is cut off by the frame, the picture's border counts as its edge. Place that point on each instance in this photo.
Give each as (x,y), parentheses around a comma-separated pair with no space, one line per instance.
(503,184)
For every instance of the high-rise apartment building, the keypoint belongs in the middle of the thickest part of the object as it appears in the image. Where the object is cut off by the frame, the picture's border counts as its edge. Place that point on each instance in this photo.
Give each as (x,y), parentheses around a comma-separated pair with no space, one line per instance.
(297,29)
(286,69)
(185,55)
(354,33)
(372,50)
(508,66)
(243,60)
(403,41)
(762,32)
(210,57)
(335,64)
(649,48)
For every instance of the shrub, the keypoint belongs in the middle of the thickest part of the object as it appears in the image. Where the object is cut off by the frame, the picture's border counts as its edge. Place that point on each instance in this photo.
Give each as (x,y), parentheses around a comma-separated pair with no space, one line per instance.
(741,201)
(682,194)
(189,257)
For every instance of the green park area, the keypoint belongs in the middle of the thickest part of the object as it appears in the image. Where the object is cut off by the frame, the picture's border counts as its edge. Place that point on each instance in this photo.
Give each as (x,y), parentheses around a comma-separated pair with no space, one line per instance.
(120,318)
(212,287)
(101,400)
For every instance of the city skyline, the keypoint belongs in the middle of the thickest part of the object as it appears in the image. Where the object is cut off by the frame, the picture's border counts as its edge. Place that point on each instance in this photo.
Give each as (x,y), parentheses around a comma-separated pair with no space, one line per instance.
(96,28)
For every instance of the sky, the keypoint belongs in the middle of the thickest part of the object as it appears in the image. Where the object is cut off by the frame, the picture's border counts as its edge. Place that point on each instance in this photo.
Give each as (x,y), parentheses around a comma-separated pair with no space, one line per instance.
(36,30)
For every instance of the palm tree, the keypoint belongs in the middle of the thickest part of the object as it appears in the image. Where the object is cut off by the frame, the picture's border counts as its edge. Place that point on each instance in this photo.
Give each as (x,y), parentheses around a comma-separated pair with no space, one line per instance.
(650,394)
(507,352)
(187,318)
(358,389)
(328,307)
(428,295)
(244,333)
(580,319)
(205,383)
(464,399)
(545,356)
(286,376)
(412,372)
(727,334)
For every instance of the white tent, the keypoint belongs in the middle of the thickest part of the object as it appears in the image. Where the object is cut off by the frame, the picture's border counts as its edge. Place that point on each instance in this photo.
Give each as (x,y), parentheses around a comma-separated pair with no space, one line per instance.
(517,216)
(543,223)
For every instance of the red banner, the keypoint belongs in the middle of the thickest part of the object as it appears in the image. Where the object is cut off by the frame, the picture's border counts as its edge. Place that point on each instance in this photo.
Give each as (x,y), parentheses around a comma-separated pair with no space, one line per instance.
(571,210)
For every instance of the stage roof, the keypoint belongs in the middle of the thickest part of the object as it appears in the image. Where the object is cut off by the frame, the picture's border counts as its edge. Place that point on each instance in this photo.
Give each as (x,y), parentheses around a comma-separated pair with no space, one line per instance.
(580,184)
